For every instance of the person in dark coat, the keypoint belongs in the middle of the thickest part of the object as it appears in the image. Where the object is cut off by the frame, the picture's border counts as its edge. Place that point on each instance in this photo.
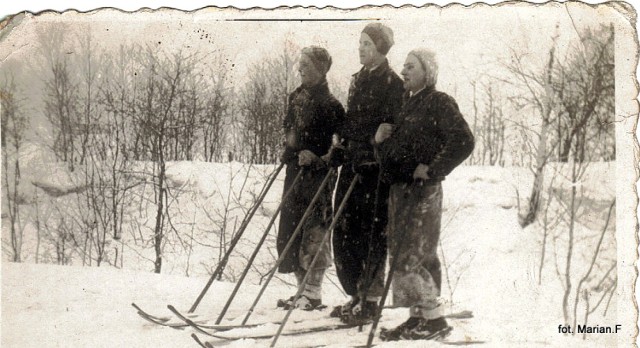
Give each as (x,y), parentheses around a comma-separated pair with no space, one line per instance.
(428,140)
(359,244)
(312,117)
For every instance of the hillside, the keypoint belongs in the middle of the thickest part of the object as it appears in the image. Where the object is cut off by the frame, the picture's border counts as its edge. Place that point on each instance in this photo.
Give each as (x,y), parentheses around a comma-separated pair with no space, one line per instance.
(491,267)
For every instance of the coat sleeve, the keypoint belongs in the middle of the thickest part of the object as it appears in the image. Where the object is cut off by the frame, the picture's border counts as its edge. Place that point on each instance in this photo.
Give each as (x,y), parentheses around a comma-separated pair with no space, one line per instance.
(392,106)
(332,115)
(342,126)
(458,139)
(394,99)
(338,119)
(290,138)
(287,122)
(396,158)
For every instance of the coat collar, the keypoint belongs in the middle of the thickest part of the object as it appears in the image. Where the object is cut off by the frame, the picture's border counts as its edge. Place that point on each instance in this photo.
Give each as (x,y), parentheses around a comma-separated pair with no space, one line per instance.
(321,88)
(420,95)
(379,70)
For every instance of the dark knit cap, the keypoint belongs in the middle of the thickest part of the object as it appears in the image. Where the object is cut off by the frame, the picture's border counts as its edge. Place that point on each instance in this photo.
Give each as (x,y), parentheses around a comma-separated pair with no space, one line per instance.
(320,58)
(381,35)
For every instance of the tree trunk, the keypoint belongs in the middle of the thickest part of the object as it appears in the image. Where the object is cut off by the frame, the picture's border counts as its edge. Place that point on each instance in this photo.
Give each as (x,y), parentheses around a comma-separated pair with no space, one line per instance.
(158,231)
(538,180)
(541,155)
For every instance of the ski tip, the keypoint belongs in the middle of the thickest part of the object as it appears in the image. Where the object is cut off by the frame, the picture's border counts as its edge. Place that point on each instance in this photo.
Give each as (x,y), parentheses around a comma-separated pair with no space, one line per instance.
(197,339)
(174,310)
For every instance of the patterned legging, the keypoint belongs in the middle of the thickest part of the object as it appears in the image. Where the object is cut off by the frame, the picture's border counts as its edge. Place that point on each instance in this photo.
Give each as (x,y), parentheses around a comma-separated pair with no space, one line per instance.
(415,212)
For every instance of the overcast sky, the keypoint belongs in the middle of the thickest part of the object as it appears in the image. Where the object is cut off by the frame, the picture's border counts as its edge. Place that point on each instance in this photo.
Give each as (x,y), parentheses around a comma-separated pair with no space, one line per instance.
(468,41)
(465,39)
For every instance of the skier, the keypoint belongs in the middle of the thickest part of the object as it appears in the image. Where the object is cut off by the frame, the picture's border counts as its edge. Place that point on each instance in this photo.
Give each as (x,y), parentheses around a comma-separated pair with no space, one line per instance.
(428,140)
(359,245)
(312,116)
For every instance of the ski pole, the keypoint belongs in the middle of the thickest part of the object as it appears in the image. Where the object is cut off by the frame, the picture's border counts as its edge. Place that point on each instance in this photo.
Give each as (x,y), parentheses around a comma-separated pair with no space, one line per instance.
(236,238)
(325,239)
(369,270)
(387,285)
(257,249)
(306,214)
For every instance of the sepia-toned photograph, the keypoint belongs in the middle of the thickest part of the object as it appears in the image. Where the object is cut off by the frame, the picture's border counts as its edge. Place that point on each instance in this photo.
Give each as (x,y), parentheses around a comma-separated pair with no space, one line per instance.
(388,176)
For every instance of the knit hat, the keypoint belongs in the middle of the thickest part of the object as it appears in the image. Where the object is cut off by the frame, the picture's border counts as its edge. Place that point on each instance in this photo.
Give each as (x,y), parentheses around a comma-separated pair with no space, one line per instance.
(320,58)
(381,35)
(427,59)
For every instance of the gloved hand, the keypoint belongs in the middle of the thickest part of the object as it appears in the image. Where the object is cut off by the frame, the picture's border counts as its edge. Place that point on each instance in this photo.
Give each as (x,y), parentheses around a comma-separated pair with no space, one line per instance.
(421,172)
(384,132)
(307,158)
(335,157)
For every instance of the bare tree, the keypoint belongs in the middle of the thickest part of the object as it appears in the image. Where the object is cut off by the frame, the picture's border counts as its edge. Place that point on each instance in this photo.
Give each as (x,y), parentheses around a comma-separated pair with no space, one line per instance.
(549,223)
(61,93)
(536,92)
(585,90)
(221,211)
(58,231)
(160,93)
(263,104)
(89,63)
(184,120)
(257,111)
(216,107)
(489,124)
(586,293)
(474,127)
(110,149)
(159,104)
(94,215)
(14,124)
(93,202)
(574,97)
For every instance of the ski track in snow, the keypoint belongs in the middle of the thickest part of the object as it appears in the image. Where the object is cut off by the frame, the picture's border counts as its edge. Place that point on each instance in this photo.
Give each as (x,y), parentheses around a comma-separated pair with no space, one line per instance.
(56,306)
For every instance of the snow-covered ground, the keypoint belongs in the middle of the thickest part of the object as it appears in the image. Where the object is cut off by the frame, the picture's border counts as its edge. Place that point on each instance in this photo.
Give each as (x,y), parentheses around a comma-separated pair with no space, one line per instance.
(491,267)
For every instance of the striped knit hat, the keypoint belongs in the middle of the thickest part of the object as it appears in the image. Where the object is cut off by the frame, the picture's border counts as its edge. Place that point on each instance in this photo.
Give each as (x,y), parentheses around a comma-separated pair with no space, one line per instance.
(381,35)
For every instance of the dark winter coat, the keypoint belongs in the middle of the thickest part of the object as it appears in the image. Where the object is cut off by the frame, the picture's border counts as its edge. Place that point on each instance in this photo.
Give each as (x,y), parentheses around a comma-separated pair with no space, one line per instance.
(312,117)
(429,130)
(375,97)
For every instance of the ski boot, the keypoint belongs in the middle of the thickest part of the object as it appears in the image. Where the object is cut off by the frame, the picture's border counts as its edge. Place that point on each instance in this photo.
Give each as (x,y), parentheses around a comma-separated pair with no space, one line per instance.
(417,328)
(340,310)
(305,303)
(361,313)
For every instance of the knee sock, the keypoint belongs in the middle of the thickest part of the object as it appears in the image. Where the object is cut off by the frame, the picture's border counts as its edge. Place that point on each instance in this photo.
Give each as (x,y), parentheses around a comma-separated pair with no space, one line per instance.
(313,288)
